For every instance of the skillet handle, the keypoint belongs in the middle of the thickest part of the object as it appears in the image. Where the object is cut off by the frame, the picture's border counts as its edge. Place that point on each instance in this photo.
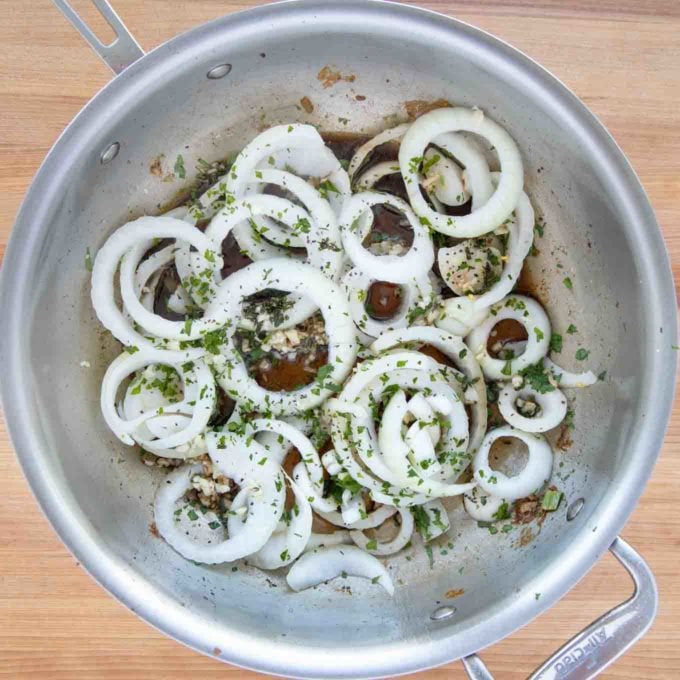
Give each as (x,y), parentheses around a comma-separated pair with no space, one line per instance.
(119,54)
(606,639)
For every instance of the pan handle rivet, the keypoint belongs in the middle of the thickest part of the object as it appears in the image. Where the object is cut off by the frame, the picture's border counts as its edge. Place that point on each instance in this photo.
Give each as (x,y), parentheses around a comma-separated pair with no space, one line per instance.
(574,509)
(442,613)
(109,153)
(219,71)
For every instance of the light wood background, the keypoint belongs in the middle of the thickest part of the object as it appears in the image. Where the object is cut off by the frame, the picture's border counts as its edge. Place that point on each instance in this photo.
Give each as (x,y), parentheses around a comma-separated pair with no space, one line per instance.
(622,57)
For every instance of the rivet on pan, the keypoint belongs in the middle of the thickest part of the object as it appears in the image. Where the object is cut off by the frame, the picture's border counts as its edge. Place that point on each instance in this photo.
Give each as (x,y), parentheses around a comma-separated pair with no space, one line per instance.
(442,613)
(109,153)
(575,508)
(218,71)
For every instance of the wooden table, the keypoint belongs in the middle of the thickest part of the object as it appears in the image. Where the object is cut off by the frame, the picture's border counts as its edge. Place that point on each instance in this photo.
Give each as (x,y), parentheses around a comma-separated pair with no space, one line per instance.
(622,57)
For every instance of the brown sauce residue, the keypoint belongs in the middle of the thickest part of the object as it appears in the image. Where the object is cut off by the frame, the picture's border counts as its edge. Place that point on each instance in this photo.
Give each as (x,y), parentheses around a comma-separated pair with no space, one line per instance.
(344,144)
(153,530)
(417,107)
(526,510)
(564,441)
(436,354)
(390,224)
(383,300)
(525,537)
(455,592)
(156,166)
(328,76)
(528,284)
(306,104)
(504,332)
(233,258)
(286,375)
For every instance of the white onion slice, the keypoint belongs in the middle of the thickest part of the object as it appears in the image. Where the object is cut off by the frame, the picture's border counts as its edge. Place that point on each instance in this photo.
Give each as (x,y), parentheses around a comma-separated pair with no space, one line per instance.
(295,277)
(352,507)
(444,179)
(198,401)
(286,546)
(340,537)
(389,547)
(308,454)
(459,353)
(130,242)
(325,564)
(535,474)
(154,323)
(280,138)
(323,216)
(375,173)
(534,319)
(317,162)
(312,492)
(417,293)
(459,316)
(373,519)
(330,462)
(521,230)
(142,397)
(553,408)
(315,233)
(439,522)
(567,378)
(264,506)
(394,134)
(503,201)
(483,506)
(477,178)
(392,485)
(465,266)
(417,261)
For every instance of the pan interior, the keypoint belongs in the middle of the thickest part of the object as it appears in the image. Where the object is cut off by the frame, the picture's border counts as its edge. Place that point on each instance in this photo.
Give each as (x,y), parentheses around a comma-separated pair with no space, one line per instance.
(168,108)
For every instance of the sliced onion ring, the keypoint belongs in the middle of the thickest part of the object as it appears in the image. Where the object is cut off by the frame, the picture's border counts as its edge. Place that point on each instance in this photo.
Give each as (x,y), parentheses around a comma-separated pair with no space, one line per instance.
(459,353)
(198,400)
(534,319)
(417,293)
(553,408)
(499,206)
(568,379)
(289,276)
(130,242)
(417,261)
(482,506)
(535,474)
(394,134)
(325,564)
(389,547)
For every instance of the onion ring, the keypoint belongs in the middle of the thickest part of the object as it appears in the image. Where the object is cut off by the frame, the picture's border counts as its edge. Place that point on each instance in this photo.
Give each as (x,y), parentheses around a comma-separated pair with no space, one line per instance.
(503,201)
(325,564)
(531,315)
(535,474)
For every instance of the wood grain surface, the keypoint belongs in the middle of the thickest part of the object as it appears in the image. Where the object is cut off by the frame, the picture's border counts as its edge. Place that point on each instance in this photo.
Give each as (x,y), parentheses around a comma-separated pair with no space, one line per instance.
(622,57)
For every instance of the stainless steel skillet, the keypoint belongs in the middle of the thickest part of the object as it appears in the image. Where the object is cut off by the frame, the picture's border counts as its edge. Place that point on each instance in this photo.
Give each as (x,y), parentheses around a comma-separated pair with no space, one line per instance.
(204,94)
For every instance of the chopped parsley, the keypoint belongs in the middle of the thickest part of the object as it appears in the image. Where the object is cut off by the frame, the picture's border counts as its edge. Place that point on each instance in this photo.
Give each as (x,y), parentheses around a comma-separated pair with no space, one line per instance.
(537,377)
(180,170)
(551,500)
(582,354)
(567,282)
(555,342)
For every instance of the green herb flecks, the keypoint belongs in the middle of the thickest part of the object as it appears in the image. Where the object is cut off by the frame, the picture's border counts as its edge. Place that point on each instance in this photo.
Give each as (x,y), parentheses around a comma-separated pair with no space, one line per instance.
(180,170)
